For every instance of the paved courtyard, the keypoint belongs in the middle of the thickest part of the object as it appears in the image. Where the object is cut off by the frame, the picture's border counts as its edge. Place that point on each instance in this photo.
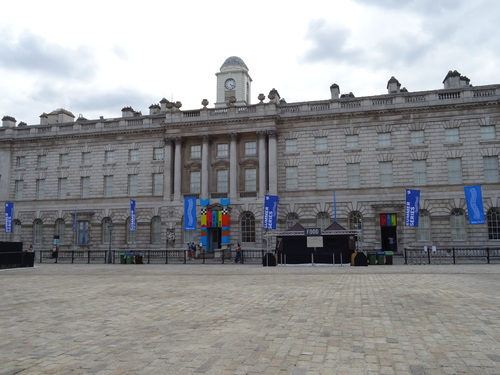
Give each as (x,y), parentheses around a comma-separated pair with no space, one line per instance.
(249,319)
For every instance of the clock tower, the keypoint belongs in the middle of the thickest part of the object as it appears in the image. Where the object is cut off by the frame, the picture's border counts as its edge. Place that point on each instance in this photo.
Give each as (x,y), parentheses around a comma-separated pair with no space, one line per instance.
(233,80)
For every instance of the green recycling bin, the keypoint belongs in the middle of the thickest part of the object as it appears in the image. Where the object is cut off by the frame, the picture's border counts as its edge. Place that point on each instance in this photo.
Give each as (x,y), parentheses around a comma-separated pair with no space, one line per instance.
(380,257)
(372,259)
(388,257)
(122,258)
(130,258)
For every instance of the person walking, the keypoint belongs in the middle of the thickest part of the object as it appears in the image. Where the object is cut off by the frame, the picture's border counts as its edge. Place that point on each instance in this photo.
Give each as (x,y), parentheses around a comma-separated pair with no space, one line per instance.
(237,258)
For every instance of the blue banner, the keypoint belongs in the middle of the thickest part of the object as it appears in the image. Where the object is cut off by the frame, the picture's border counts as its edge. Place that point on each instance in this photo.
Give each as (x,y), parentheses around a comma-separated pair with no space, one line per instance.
(189,213)
(411,207)
(74,221)
(270,211)
(9,214)
(133,220)
(474,199)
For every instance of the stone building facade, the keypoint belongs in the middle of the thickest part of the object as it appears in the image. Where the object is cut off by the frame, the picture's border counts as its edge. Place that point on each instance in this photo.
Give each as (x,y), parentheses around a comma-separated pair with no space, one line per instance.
(343,159)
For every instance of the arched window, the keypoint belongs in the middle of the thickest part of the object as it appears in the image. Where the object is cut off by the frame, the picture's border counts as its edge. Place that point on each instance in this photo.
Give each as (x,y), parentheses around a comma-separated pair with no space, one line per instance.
(106,229)
(130,233)
(493,219)
(424,226)
(323,220)
(247,226)
(16,231)
(457,225)
(37,231)
(59,229)
(291,219)
(354,220)
(156,230)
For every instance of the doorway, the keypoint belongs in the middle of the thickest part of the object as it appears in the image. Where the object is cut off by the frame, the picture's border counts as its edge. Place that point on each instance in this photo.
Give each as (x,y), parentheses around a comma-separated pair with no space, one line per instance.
(388,232)
(214,239)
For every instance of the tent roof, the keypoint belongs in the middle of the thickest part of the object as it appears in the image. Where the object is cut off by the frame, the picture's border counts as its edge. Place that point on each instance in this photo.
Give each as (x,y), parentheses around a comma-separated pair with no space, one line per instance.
(335,226)
(296,228)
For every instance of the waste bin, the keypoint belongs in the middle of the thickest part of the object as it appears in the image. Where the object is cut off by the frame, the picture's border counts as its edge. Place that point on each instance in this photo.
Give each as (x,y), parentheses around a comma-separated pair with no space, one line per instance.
(129,258)
(122,258)
(372,259)
(380,257)
(269,260)
(138,259)
(388,257)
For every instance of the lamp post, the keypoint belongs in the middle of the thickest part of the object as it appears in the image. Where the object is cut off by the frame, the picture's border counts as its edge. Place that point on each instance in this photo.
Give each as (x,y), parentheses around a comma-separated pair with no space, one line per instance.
(110,227)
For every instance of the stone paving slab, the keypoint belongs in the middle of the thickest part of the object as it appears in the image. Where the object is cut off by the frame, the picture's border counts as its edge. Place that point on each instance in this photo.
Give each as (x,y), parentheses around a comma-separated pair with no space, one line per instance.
(248,319)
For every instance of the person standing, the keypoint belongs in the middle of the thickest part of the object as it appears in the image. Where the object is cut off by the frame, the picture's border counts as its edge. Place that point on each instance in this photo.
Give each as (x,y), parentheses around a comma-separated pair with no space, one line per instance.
(237,259)
(55,252)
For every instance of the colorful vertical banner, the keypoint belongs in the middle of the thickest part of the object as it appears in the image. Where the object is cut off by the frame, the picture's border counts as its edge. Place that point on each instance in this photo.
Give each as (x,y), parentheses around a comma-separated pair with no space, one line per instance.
(270,211)
(411,207)
(225,221)
(189,213)
(474,199)
(9,214)
(133,220)
(388,220)
(203,222)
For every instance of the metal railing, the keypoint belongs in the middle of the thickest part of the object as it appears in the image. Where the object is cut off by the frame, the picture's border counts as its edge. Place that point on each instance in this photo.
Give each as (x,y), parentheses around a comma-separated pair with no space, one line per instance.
(175,256)
(451,255)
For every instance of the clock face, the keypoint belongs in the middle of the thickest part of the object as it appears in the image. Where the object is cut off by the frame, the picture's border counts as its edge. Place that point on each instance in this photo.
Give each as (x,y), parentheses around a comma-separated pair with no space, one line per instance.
(230,84)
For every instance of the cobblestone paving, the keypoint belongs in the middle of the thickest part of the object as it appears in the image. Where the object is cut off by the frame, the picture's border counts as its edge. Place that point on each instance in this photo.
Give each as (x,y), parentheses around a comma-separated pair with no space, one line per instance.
(249,319)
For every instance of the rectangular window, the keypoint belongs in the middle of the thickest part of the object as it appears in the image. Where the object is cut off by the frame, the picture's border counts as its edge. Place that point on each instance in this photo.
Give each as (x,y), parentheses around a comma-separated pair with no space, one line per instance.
(109,157)
(158,153)
(21,162)
(250,148)
(63,160)
(133,156)
(417,137)
(222,150)
(353,175)
(454,171)
(488,133)
(385,172)
(41,161)
(19,189)
(419,172)
(132,184)
(194,182)
(452,135)
(292,178)
(490,165)
(62,188)
(352,141)
(108,186)
(384,139)
(85,187)
(321,177)
(86,158)
(291,145)
(251,179)
(321,144)
(222,180)
(157,184)
(40,189)
(195,152)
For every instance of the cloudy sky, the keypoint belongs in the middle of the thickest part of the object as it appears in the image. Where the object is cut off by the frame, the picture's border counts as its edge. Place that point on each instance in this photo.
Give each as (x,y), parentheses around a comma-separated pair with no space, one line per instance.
(96,57)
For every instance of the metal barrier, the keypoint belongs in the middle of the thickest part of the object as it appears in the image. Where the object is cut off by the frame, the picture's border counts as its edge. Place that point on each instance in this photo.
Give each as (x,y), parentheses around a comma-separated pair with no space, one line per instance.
(450,255)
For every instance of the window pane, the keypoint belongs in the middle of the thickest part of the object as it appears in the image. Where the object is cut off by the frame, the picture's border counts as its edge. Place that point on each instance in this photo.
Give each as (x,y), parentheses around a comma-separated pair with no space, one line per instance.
(490,164)
(352,141)
(40,189)
(323,220)
(424,226)
(292,182)
(385,173)
(454,171)
(108,186)
(419,172)
(157,184)
(247,227)
(452,135)
(488,132)
(158,153)
(417,137)
(321,177)
(384,139)
(353,175)
(222,181)
(110,156)
(194,182)
(493,219)
(132,184)
(195,152)
(291,220)
(291,145)
(62,188)
(19,189)
(354,220)
(457,223)
(85,187)
(321,143)
(250,179)
(222,150)
(251,148)
(156,230)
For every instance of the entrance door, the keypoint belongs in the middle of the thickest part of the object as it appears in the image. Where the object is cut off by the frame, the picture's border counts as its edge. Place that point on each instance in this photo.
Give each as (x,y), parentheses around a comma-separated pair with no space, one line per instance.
(214,239)
(388,232)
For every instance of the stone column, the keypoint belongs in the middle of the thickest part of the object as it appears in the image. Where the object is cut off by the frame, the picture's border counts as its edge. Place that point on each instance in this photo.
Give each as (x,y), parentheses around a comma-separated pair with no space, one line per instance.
(177,169)
(262,163)
(204,165)
(273,163)
(167,169)
(233,166)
